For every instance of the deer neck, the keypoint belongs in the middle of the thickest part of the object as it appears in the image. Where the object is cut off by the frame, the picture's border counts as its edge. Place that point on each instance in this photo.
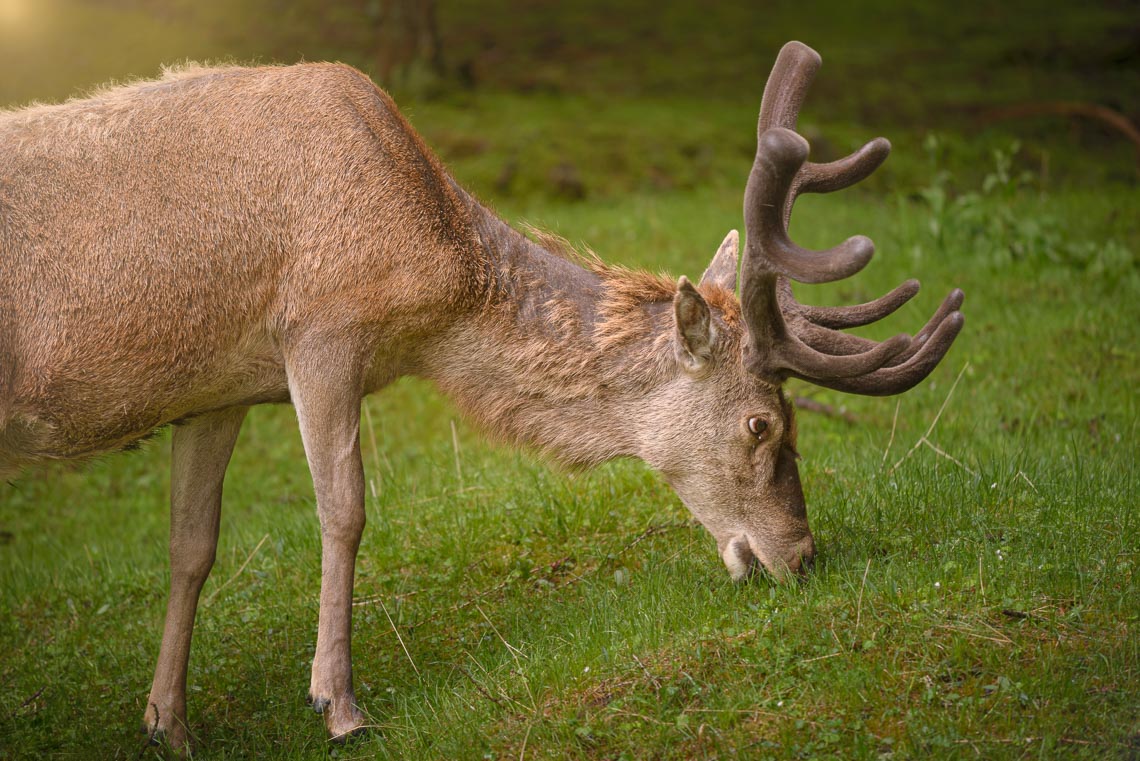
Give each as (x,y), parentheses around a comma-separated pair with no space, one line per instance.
(562,356)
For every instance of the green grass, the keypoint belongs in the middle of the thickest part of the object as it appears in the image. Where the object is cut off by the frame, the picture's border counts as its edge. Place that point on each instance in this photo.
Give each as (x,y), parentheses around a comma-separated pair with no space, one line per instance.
(975,600)
(982,605)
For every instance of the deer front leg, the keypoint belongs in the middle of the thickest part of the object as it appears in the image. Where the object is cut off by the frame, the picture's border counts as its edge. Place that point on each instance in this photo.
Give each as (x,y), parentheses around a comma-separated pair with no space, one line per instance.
(200,452)
(327,398)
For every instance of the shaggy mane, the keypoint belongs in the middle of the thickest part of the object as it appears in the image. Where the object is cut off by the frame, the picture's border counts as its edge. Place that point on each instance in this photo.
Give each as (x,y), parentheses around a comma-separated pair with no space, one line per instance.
(629,289)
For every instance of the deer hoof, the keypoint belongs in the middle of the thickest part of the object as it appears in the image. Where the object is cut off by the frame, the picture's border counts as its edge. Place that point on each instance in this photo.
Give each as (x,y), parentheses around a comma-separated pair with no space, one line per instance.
(165,731)
(342,718)
(317,704)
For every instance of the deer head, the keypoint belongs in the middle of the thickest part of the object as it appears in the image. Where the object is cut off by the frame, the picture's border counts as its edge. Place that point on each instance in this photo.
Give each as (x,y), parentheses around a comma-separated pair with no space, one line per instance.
(734,465)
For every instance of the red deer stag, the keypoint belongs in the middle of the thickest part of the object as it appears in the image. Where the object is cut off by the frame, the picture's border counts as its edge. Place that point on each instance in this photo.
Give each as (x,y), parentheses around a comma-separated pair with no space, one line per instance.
(172,252)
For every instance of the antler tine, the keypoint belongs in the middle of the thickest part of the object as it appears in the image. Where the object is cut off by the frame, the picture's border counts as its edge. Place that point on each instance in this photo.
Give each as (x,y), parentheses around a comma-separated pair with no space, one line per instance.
(784,94)
(896,379)
(948,308)
(804,361)
(779,155)
(849,316)
(844,172)
(839,174)
(787,86)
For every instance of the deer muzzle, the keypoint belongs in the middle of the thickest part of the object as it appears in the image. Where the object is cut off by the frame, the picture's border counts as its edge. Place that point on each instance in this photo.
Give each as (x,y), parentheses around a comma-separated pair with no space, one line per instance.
(743,557)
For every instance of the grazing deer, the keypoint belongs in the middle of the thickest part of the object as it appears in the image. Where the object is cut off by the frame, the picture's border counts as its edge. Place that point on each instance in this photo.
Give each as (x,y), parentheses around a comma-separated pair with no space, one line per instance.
(173,252)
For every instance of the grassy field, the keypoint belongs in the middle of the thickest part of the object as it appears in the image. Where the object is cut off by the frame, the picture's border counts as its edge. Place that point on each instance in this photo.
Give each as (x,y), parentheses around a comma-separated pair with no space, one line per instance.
(975,595)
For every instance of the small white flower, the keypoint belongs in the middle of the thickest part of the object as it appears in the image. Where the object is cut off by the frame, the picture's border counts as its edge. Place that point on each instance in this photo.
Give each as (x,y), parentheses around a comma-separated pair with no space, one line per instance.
(780,704)
(937,585)
(586,670)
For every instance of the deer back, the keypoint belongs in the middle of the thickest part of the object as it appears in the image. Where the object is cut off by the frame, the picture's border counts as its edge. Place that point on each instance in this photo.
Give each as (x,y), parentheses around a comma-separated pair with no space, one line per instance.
(161,244)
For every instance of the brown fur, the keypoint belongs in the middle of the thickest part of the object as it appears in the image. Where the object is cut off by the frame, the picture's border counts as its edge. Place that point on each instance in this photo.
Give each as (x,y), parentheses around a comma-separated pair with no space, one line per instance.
(182,249)
(234,239)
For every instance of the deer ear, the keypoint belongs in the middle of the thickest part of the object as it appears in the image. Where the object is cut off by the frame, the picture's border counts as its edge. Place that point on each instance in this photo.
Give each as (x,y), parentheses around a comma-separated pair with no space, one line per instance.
(722,269)
(693,334)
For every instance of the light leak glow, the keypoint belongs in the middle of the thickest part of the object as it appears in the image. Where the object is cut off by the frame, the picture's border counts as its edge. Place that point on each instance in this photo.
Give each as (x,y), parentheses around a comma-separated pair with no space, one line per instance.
(13,12)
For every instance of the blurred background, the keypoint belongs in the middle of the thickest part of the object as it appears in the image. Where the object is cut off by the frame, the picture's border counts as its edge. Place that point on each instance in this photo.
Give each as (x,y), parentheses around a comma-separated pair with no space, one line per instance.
(578,100)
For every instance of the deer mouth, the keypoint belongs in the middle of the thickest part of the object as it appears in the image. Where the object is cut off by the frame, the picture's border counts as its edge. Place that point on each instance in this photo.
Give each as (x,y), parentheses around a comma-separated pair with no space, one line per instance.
(744,559)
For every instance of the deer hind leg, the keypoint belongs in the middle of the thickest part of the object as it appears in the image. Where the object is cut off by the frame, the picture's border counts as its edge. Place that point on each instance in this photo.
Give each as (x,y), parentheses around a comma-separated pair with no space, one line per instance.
(325,390)
(201,451)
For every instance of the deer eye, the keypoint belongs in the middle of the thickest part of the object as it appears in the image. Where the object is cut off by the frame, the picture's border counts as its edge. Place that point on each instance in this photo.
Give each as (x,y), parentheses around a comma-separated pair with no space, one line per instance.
(757,426)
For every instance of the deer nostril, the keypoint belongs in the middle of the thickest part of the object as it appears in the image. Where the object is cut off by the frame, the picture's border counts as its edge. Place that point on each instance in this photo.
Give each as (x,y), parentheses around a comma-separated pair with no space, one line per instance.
(803,557)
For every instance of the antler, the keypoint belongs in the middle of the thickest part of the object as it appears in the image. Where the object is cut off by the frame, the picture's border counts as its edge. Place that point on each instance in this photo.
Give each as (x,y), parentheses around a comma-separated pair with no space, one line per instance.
(787,338)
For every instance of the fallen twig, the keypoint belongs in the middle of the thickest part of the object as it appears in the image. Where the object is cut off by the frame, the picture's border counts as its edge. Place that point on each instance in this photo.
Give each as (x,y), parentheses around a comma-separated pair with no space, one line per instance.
(660,528)
(526,737)
(859,606)
(1021,474)
(1029,740)
(924,439)
(482,690)
(238,573)
(951,458)
(455,446)
(1102,114)
(30,700)
(653,679)
(811,405)
(514,651)
(1000,639)
(375,451)
(651,531)
(891,440)
(373,599)
(398,637)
